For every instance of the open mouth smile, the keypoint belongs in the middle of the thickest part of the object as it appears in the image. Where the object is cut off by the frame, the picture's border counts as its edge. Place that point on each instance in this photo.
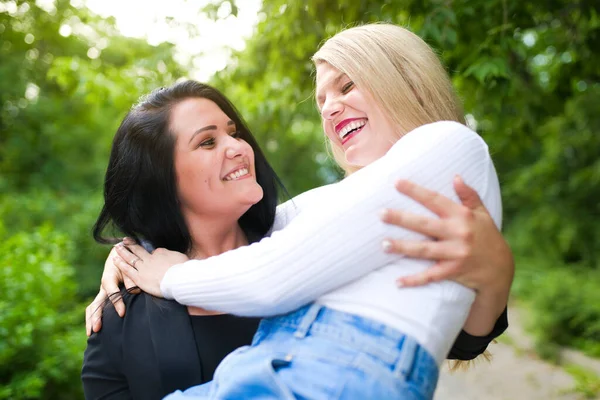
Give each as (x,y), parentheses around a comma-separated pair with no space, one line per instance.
(346,130)
(239,173)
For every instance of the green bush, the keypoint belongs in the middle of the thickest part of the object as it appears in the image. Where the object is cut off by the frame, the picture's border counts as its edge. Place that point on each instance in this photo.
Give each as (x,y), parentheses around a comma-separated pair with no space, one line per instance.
(587,383)
(564,302)
(72,214)
(41,334)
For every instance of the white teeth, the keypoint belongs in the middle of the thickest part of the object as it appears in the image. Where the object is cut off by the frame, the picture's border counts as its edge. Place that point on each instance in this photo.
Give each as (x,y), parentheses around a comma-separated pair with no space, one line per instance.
(351,126)
(237,174)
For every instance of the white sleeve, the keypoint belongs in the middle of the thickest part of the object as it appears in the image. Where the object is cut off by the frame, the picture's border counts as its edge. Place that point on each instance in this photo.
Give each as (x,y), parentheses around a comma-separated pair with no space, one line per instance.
(337,237)
(283,215)
(289,210)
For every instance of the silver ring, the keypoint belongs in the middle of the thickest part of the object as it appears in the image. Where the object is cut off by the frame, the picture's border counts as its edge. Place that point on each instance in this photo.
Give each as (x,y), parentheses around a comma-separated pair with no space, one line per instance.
(134,261)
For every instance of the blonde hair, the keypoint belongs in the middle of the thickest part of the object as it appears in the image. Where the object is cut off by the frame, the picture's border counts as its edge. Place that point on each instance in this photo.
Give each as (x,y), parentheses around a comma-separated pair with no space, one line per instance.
(399,70)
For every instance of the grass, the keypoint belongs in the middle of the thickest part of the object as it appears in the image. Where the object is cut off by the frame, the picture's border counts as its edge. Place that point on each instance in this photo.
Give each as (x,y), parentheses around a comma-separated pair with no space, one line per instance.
(587,383)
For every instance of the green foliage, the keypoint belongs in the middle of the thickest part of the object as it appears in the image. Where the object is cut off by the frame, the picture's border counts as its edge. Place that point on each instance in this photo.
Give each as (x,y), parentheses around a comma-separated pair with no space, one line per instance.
(586,382)
(564,302)
(67,79)
(62,97)
(41,340)
(71,214)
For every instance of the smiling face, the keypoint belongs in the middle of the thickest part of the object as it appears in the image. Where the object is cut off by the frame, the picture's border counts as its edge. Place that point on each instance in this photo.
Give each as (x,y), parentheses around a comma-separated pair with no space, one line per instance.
(351,118)
(214,167)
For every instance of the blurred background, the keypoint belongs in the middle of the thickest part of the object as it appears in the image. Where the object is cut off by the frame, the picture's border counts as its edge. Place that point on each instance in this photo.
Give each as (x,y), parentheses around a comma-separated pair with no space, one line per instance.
(528,72)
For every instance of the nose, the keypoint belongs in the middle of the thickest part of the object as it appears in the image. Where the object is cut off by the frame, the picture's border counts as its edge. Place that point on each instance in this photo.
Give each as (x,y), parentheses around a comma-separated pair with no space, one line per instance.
(331,108)
(235,148)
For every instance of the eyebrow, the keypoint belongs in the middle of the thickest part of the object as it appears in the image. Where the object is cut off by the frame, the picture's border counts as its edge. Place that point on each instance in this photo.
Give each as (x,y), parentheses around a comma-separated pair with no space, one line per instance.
(334,82)
(208,128)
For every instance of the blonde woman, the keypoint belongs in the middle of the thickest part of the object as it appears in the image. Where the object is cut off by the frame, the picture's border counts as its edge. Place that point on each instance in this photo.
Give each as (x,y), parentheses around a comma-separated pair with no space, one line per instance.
(390,113)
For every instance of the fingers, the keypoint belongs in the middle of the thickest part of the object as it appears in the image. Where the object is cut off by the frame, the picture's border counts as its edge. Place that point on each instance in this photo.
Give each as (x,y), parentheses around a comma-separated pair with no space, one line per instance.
(129,284)
(135,248)
(127,241)
(117,301)
(125,268)
(125,254)
(111,277)
(431,227)
(434,201)
(441,271)
(97,324)
(110,282)
(427,250)
(93,313)
(88,320)
(467,195)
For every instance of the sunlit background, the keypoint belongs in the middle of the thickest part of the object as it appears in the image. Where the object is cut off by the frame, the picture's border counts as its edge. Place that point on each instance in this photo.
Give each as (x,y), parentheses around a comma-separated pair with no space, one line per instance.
(527,72)
(208,45)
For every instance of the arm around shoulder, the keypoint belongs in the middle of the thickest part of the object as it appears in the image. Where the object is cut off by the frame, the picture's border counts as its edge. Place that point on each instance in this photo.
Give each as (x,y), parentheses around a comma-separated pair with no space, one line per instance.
(337,237)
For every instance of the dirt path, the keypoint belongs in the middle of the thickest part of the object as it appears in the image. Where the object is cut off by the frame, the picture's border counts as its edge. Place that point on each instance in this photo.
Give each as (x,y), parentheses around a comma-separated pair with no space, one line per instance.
(512,375)
(515,373)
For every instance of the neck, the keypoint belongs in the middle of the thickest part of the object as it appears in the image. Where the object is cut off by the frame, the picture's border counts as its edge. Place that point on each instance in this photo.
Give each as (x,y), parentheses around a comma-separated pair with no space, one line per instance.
(212,237)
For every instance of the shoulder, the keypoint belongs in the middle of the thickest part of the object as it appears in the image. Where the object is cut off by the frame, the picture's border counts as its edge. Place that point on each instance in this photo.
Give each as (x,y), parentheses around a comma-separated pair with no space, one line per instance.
(311,195)
(444,129)
(436,147)
(138,307)
(103,356)
(143,313)
(437,134)
(287,211)
(120,359)
(111,333)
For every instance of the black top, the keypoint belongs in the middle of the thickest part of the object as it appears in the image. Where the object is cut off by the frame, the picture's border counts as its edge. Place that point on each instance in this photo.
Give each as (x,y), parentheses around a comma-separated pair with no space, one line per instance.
(223,332)
(467,347)
(154,350)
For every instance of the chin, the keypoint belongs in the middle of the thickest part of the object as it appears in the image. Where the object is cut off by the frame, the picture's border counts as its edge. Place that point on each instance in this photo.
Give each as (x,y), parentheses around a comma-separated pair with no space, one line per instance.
(360,159)
(355,159)
(256,194)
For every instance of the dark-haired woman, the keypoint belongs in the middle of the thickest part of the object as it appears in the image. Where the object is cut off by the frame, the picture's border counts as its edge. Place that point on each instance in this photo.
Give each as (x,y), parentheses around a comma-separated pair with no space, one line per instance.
(184,174)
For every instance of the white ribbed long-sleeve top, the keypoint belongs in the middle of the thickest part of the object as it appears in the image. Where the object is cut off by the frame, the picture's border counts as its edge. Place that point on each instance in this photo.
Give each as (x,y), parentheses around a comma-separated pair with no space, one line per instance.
(327,245)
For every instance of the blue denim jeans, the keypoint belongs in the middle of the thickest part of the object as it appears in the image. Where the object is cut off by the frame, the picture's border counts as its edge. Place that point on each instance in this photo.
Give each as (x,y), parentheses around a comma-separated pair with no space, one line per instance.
(319,353)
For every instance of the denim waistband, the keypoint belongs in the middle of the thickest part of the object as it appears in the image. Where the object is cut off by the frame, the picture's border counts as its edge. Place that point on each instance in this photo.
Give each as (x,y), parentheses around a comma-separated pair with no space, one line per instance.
(396,350)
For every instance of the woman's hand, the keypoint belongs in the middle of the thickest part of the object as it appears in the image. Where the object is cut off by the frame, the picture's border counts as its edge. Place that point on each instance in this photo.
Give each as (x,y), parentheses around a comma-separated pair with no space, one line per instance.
(144,269)
(109,284)
(468,248)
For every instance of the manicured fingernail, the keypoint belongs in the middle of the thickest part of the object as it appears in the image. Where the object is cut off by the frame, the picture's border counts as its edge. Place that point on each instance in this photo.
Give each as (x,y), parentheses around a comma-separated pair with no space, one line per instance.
(383,214)
(399,282)
(402,183)
(386,245)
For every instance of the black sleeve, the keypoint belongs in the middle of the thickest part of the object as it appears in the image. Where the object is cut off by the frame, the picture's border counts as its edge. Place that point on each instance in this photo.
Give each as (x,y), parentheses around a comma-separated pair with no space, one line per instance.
(101,374)
(467,347)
